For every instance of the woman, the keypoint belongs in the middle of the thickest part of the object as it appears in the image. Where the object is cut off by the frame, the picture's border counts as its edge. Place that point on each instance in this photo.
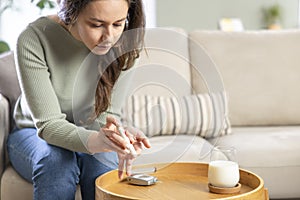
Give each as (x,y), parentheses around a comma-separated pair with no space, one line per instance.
(48,147)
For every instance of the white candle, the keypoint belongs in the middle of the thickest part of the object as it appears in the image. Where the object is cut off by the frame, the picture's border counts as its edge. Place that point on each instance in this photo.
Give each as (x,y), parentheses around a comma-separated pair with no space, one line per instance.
(223,173)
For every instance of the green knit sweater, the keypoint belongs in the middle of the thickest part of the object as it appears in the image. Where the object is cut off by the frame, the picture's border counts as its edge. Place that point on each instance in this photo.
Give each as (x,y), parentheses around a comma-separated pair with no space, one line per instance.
(57,90)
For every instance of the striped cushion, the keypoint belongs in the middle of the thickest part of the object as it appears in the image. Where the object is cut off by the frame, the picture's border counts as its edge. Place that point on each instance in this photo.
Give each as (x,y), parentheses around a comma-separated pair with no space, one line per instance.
(201,114)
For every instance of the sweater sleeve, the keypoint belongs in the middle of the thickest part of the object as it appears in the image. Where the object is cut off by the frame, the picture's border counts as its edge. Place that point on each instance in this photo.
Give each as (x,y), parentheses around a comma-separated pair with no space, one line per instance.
(37,89)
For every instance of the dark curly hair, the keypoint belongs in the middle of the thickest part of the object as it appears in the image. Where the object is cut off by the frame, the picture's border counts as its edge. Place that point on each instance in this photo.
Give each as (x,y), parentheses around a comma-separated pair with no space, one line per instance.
(69,12)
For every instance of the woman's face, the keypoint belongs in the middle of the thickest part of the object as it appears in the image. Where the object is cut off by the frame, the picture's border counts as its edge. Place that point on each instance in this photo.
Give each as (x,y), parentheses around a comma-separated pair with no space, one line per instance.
(100,24)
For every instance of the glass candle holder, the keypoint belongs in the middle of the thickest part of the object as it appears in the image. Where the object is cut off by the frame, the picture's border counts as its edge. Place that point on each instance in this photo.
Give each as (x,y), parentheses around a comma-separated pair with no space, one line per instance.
(223,170)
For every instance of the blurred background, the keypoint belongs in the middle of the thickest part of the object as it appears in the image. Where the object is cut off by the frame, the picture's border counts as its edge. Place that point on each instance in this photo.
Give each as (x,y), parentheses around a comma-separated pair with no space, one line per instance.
(187,14)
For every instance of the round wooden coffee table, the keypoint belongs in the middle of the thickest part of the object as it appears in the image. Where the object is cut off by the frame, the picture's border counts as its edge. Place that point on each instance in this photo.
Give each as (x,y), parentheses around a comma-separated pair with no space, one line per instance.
(178,181)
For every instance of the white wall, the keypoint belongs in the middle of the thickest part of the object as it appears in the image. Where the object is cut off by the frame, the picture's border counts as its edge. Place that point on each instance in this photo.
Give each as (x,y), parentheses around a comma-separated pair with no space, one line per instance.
(150,10)
(205,14)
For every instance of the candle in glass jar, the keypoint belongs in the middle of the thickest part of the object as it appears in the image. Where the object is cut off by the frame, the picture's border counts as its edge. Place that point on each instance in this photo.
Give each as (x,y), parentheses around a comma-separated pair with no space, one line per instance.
(223,173)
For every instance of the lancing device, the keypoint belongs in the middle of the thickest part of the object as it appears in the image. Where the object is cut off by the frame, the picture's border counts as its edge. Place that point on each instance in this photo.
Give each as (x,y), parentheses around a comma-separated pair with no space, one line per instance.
(129,145)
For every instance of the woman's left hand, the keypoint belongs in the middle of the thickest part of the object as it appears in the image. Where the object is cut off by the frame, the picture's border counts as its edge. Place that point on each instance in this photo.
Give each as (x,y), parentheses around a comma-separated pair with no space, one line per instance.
(136,137)
(138,140)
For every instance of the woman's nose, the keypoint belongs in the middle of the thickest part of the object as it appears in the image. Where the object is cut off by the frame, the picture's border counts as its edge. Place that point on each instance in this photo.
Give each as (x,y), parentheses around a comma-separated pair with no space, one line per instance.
(108,34)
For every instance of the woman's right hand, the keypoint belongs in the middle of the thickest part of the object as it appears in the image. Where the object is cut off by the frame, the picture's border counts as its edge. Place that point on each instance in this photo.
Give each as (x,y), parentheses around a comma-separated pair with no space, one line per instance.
(107,139)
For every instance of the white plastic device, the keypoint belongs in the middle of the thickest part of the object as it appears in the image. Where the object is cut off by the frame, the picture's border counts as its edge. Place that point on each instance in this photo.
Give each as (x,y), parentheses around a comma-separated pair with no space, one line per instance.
(142,179)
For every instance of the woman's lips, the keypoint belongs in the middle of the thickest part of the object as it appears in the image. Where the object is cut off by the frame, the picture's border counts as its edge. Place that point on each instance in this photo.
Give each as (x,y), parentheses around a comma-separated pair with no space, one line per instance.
(104,47)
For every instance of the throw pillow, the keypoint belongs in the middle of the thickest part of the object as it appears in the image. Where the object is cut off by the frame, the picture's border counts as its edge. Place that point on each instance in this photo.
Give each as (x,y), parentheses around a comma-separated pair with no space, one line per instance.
(204,115)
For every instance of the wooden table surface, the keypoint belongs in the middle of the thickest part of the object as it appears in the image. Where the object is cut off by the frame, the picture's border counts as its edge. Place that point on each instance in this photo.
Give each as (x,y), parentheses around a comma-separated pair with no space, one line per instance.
(178,181)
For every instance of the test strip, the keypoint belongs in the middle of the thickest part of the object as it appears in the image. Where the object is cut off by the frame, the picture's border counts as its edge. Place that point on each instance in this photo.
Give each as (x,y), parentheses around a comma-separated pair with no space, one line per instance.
(149,170)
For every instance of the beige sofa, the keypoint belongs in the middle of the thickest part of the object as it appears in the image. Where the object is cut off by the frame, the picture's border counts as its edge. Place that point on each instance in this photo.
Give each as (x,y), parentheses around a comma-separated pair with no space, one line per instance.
(258,70)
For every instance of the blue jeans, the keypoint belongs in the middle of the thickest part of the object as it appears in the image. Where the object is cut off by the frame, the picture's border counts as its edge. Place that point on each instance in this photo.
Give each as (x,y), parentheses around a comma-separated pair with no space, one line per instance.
(55,172)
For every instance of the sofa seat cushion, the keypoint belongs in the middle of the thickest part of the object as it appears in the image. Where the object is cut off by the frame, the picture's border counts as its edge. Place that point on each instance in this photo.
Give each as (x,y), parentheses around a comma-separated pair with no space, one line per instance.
(12,180)
(271,153)
(13,186)
(175,148)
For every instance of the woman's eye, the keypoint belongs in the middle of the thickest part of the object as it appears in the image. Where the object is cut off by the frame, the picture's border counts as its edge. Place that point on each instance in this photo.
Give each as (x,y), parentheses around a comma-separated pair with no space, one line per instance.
(97,25)
(117,25)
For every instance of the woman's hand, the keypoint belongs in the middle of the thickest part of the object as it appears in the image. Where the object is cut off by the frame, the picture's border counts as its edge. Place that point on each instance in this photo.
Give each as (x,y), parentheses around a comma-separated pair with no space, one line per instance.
(138,140)
(109,139)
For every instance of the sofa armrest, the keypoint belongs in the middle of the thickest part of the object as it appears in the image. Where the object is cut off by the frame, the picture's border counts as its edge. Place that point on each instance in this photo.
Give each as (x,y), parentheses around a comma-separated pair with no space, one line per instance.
(4,129)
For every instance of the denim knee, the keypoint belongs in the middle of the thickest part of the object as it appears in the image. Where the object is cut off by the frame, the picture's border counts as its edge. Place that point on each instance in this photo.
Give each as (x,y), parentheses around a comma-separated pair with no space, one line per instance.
(91,167)
(56,170)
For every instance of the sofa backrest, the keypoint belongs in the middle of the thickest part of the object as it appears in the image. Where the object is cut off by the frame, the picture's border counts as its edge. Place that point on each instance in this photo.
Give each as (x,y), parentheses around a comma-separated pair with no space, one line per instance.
(9,85)
(163,68)
(260,72)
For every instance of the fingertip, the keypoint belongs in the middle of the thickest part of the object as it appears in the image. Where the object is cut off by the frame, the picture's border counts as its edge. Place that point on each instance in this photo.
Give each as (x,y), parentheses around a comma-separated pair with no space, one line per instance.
(128,173)
(146,143)
(120,174)
(111,119)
